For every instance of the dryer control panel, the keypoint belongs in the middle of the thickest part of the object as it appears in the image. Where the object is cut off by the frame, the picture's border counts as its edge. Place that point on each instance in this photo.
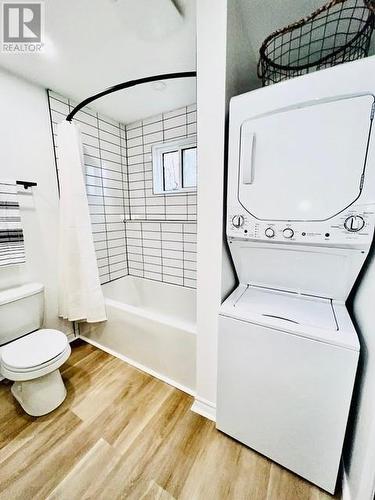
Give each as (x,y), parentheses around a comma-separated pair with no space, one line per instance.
(354,226)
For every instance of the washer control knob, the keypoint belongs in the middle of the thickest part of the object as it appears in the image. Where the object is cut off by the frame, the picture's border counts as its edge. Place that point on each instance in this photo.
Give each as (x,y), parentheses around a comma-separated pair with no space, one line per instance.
(354,223)
(288,232)
(269,232)
(238,221)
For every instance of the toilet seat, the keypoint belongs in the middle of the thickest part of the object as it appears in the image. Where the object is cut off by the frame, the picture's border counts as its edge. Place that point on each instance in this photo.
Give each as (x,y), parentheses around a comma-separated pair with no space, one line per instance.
(34,355)
(33,368)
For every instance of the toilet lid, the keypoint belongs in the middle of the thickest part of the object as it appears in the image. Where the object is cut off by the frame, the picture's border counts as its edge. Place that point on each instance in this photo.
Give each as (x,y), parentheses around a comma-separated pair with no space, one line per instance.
(34,349)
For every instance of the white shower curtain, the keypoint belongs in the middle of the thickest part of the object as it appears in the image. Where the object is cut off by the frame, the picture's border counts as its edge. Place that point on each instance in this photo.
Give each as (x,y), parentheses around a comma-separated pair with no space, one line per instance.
(80,293)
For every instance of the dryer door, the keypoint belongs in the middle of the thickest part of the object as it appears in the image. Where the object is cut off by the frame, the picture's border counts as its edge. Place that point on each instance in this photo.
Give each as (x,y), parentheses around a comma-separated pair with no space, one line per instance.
(307,162)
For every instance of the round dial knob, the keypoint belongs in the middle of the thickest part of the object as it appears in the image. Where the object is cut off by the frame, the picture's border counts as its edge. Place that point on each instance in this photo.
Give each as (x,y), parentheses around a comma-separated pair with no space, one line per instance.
(354,223)
(269,232)
(288,232)
(238,220)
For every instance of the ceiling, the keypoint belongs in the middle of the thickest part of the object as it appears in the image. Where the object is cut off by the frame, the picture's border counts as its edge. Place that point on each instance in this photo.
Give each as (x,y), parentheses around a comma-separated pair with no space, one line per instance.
(94,44)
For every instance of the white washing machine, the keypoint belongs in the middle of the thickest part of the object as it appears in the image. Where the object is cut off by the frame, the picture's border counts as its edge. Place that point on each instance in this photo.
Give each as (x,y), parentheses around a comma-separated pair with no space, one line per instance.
(301,198)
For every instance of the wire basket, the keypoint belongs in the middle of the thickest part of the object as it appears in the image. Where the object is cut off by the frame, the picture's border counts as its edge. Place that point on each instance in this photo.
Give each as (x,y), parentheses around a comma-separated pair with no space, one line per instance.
(337,32)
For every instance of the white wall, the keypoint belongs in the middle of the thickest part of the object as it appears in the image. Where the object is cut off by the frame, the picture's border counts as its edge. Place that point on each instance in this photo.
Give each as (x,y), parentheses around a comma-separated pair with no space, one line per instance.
(211,62)
(219,78)
(26,153)
(240,74)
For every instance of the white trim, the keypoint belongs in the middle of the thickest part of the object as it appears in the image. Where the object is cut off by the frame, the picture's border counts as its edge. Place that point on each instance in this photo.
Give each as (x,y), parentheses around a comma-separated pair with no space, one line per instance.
(205,408)
(71,336)
(346,495)
(158,151)
(141,367)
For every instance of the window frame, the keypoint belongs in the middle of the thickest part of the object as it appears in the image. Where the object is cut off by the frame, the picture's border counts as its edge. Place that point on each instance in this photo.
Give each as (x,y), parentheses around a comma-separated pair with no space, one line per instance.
(158,150)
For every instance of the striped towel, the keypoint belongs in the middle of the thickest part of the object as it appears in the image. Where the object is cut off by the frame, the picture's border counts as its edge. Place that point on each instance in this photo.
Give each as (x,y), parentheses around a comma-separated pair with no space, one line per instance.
(12,248)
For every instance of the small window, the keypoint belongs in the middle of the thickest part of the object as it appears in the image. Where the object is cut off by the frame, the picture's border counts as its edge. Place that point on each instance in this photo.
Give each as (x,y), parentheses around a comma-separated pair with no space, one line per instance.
(174,166)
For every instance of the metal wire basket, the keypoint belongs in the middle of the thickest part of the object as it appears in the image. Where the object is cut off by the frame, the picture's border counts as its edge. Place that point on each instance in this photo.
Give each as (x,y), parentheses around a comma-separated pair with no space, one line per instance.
(337,32)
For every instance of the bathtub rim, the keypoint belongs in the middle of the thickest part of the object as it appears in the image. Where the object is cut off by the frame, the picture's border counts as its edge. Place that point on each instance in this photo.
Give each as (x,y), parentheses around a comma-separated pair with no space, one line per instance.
(154,282)
(139,366)
(159,318)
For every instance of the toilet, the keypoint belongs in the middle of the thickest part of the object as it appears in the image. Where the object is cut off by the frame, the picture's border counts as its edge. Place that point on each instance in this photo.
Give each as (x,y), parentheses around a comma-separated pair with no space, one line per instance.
(31,356)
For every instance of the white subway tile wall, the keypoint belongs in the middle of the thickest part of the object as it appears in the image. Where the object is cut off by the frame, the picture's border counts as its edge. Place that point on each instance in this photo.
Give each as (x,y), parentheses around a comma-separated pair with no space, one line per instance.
(163,251)
(158,238)
(141,136)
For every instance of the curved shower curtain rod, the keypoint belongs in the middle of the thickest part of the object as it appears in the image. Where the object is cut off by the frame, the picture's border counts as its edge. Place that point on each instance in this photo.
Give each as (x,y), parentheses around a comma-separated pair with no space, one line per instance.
(126,85)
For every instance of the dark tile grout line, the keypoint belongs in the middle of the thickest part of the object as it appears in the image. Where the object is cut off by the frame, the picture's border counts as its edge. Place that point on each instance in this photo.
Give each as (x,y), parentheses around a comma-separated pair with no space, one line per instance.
(105,225)
(127,171)
(54,144)
(144,176)
(124,148)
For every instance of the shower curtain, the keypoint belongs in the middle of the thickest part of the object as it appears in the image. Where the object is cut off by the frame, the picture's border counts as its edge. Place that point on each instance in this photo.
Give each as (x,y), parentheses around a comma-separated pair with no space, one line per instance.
(80,292)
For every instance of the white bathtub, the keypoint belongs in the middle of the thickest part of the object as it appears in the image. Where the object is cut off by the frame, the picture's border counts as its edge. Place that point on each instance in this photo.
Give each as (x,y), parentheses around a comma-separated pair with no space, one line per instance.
(151,325)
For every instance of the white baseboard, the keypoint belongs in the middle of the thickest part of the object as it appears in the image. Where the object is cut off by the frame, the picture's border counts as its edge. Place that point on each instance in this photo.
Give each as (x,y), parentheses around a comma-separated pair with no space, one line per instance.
(71,337)
(345,487)
(141,367)
(204,408)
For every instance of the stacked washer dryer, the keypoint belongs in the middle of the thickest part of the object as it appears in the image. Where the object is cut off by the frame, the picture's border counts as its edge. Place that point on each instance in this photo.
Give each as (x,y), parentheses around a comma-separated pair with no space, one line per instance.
(301,198)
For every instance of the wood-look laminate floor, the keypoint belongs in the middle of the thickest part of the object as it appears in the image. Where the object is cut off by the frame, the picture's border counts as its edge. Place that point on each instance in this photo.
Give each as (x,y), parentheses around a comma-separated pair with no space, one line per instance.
(124,434)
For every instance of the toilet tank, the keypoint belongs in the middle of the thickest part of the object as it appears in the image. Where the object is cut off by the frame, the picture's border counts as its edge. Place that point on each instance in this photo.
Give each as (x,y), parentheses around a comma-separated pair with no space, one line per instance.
(21,311)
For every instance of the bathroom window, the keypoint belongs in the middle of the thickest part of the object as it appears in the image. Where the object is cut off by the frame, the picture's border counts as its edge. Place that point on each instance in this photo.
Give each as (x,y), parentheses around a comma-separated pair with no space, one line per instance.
(174,166)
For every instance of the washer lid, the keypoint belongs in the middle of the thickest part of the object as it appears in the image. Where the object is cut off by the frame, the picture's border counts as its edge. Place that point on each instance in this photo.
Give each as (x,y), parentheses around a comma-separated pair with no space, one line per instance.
(34,349)
(287,307)
(251,304)
(308,270)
